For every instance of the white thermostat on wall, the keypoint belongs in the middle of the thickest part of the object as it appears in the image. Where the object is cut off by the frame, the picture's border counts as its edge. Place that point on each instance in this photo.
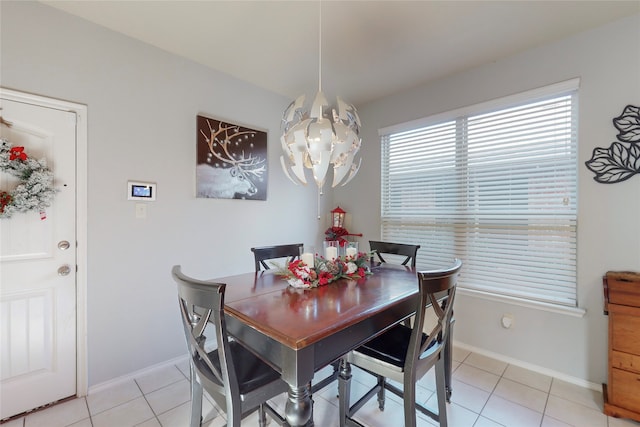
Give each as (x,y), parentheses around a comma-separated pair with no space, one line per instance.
(145,191)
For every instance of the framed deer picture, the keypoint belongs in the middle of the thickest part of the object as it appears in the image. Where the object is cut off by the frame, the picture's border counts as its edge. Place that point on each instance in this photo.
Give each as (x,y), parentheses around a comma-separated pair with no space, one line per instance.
(231,162)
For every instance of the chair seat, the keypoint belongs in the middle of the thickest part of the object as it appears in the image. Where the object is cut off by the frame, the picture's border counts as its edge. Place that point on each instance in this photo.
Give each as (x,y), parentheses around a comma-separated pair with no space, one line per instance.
(391,346)
(252,372)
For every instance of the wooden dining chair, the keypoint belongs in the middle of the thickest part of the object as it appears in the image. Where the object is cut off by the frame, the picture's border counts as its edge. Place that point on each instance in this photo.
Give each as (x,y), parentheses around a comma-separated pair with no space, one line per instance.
(235,378)
(266,253)
(410,252)
(405,354)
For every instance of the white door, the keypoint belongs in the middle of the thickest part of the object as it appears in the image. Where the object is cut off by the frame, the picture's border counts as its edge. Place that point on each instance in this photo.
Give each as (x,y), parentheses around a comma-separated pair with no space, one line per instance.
(38,267)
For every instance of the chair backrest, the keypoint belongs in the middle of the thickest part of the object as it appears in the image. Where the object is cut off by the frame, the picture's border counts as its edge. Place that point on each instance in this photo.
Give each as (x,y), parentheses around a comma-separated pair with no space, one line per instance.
(407,250)
(266,253)
(437,293)
(202,303)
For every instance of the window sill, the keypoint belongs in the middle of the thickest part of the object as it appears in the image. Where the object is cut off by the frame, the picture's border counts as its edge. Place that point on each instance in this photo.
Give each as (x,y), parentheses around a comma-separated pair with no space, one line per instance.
(569,311)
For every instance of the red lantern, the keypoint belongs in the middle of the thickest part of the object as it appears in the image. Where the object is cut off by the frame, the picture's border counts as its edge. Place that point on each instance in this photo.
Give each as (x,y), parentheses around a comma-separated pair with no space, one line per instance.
(337,230)
(337,217)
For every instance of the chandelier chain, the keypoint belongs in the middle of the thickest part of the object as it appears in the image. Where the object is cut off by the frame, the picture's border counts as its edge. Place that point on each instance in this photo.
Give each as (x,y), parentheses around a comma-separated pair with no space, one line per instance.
(320,48)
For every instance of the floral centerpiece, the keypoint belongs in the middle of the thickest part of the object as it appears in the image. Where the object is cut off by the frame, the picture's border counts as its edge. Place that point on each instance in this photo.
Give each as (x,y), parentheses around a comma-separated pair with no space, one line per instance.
(324,271)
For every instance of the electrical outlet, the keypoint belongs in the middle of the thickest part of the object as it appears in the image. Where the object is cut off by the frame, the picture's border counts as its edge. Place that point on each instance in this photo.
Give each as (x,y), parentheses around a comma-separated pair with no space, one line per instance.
(507,320)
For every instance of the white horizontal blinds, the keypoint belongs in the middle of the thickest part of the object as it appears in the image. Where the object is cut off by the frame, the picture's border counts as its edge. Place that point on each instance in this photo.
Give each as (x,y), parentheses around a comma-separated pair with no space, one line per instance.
(420,191)
(497,190)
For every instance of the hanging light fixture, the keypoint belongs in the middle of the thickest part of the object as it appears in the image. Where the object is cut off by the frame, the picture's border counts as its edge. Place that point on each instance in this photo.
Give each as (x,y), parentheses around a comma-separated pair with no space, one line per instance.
(317,136)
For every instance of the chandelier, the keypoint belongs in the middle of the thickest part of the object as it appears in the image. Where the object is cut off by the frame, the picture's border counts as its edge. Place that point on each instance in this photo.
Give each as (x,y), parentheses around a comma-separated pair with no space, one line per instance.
(316,135)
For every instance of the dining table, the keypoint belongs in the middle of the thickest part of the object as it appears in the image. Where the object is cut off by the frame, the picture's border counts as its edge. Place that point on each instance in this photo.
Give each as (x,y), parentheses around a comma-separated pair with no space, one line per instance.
(300,331)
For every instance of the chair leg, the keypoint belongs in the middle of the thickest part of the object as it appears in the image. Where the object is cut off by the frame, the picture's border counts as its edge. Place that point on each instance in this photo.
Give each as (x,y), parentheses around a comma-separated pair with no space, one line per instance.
(262,417)
(196,400)
(381,392)
(448,357)
(234,412)
(409,392)
(441,391)
(344,390)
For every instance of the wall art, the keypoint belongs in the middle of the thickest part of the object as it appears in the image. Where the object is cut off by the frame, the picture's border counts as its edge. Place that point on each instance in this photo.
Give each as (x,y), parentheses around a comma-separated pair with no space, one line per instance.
(231,161)
(621,160)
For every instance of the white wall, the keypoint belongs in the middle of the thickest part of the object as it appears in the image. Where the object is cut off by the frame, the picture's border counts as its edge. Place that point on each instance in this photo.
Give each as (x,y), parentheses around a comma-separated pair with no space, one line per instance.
(607,60)
(142,106)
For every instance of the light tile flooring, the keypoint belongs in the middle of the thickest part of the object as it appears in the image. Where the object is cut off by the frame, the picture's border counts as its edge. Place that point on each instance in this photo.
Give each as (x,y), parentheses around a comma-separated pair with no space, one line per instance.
(486,393)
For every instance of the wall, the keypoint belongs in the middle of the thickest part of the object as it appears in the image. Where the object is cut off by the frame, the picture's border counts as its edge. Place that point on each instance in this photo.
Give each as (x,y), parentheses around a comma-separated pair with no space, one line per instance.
(142,106)
(607,60)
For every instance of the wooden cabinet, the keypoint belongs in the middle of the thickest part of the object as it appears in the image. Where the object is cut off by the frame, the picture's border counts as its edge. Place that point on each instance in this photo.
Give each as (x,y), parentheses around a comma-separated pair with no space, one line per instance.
(622,304)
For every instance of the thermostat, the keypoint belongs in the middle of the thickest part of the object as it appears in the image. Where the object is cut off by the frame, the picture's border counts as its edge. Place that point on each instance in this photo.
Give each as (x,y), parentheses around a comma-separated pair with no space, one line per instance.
(141,191)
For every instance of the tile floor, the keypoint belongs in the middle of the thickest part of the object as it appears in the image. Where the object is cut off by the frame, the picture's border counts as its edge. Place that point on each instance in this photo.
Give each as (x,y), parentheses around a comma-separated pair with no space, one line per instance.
(486,393)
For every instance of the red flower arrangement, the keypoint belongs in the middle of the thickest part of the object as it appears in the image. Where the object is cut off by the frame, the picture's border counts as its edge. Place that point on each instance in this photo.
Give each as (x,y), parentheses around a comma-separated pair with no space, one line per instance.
(300,275)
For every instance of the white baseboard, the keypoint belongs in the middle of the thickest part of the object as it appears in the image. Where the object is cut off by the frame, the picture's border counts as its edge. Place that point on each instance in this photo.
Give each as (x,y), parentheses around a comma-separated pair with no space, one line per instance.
(115,381)
(535,368)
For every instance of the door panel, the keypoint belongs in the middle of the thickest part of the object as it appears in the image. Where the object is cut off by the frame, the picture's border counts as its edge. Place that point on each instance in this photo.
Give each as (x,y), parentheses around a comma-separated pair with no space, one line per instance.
(28,319)
(37,300)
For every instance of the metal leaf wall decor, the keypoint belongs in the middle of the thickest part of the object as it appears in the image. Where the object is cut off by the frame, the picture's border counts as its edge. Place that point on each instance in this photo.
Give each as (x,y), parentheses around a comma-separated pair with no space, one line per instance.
(621,160)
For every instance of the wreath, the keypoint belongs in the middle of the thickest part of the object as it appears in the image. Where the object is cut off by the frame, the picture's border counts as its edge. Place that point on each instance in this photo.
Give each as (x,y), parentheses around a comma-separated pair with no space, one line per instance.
(35,190)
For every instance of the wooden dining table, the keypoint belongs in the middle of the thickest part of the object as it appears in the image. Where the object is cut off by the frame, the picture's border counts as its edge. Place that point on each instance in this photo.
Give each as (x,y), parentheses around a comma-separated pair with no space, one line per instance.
(299,331)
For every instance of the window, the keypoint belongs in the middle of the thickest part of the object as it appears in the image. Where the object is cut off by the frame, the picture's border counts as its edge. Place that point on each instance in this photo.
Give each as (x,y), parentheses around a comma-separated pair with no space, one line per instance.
(494,185)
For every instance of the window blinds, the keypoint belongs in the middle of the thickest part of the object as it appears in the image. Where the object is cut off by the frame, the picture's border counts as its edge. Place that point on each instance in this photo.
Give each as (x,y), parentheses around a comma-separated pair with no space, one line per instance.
(497,189)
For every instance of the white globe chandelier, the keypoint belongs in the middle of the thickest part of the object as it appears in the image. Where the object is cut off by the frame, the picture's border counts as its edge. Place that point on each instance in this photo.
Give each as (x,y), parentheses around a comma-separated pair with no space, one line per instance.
(316,136)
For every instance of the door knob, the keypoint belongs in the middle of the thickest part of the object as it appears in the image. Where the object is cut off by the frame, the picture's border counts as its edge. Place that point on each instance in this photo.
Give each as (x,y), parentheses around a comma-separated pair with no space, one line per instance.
(63,245)
(64,270)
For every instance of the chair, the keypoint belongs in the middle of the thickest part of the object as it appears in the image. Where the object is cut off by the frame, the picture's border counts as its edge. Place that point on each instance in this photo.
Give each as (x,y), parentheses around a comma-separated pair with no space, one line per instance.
(236,379)
(379,248)
(266,253)
(405,354)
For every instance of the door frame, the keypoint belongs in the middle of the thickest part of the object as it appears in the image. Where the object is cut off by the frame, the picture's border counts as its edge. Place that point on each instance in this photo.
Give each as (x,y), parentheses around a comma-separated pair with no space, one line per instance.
(81,220)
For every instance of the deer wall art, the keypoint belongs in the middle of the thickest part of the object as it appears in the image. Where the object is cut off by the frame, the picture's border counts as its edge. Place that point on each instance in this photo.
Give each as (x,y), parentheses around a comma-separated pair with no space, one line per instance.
(232,161)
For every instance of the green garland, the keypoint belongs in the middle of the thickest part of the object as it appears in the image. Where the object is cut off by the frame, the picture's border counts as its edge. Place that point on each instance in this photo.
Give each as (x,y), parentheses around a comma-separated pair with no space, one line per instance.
(35,191)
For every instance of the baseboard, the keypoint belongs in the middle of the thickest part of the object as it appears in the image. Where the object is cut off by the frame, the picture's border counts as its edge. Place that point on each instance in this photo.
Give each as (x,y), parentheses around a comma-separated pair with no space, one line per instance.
(115,381)
(531,367)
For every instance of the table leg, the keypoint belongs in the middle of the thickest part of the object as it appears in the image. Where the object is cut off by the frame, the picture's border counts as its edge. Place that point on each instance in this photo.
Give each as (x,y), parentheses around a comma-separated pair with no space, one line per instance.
(298,407)
(344,390)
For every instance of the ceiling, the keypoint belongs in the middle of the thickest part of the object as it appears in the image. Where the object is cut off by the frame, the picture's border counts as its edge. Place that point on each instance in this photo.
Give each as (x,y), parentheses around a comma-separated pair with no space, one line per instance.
(370,49)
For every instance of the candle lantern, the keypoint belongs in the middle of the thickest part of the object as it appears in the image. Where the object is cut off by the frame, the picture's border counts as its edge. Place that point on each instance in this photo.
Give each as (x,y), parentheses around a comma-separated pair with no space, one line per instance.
(337,216)
(337,231)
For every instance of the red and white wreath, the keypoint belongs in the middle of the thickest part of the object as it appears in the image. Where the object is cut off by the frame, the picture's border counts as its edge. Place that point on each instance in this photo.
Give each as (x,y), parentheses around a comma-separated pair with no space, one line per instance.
(35,191)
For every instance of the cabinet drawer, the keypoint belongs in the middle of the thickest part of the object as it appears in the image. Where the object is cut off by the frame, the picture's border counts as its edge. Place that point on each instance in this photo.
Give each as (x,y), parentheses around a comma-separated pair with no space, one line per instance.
(625,361)
(624,389)
(623,288)
(624,329)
